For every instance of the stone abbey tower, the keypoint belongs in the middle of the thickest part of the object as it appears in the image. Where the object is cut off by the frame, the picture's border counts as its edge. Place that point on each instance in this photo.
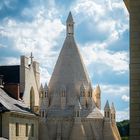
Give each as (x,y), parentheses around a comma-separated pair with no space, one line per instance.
(69,107)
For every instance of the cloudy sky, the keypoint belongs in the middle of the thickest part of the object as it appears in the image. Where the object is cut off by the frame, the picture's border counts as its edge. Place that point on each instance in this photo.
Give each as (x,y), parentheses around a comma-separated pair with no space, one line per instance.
(101,32)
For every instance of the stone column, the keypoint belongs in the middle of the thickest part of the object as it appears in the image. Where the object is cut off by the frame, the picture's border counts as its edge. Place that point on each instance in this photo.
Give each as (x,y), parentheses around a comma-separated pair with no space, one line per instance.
(134,10)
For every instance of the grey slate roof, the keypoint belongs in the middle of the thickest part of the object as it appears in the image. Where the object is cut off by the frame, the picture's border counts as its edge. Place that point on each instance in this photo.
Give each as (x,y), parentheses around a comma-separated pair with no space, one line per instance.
(9,104)
(1,138)
(11,73)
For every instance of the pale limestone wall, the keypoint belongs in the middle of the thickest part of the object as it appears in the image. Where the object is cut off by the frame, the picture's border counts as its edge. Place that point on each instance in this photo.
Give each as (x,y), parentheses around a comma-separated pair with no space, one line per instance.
(68,130)
(5,125)
(9,126)
(110,131)
(29,78)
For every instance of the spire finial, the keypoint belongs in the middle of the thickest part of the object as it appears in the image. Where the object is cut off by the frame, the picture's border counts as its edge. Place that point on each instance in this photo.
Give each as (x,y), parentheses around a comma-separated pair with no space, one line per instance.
(70,18)
(70,25)
(31,57)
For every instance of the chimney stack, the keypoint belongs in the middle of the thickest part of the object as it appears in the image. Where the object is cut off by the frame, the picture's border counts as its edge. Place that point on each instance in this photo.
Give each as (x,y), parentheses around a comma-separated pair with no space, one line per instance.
(1,81)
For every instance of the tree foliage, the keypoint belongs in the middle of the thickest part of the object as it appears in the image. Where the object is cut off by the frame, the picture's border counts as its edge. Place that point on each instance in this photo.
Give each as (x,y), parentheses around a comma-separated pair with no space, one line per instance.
(123,128)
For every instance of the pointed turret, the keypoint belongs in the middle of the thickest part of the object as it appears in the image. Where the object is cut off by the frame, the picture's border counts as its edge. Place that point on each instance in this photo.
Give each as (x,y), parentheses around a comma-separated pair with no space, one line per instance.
(70,25)
(107,111)
(83,95)
(46,90)
(41,101)
(77,105)
(113,113)
(69,70)
(70,18)
(112,107)
(82,90)
(107,105)
(46,87)
(110,131)
(41,91)
(97,96)
(77,108)
(98,90)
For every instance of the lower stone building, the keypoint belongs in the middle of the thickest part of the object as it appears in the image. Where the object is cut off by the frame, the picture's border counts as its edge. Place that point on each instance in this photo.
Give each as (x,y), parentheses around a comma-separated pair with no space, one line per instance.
(19,100)
(16,120)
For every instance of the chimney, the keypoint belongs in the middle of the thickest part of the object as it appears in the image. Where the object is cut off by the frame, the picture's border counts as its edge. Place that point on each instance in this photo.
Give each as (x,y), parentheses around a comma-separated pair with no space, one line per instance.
(1,81)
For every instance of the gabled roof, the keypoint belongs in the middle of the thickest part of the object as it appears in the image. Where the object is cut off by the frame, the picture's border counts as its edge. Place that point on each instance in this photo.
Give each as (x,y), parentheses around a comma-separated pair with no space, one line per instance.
(9,104)
(11,74)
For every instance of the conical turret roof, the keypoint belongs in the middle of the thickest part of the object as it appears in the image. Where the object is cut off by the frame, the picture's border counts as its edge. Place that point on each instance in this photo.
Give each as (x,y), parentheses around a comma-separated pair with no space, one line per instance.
(41,87)
(70,18)
(97,90)
(46,87)
(112,107)
(107,105)
(69,70)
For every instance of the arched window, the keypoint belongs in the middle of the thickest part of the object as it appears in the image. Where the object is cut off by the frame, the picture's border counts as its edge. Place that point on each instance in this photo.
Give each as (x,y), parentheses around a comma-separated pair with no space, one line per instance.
(45,94)
(108,114)
(32,99)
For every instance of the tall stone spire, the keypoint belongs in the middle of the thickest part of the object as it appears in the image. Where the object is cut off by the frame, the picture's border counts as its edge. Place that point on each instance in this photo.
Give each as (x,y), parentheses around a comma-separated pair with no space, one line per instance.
(70,25)
(69,70)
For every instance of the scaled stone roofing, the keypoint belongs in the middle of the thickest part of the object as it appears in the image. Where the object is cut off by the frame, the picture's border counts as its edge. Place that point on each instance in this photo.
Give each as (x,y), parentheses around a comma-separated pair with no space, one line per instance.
(11,73)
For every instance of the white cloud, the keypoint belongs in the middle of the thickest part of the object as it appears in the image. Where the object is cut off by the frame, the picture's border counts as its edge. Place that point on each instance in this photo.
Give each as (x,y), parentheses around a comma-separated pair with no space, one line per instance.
(102,14)
(114,90)
(97,53)
(39,36)
(2,46)
(125,98)
(122,115)
(89,8)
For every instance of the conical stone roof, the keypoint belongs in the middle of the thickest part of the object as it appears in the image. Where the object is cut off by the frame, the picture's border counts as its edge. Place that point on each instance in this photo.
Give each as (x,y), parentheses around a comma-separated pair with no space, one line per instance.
(70,18)
(107,105)
(69,71)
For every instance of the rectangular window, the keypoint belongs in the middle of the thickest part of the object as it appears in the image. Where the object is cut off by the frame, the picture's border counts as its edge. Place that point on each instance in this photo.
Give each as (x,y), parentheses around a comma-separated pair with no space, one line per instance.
(17,129)
(32,130)
(108,114)
(26,130)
